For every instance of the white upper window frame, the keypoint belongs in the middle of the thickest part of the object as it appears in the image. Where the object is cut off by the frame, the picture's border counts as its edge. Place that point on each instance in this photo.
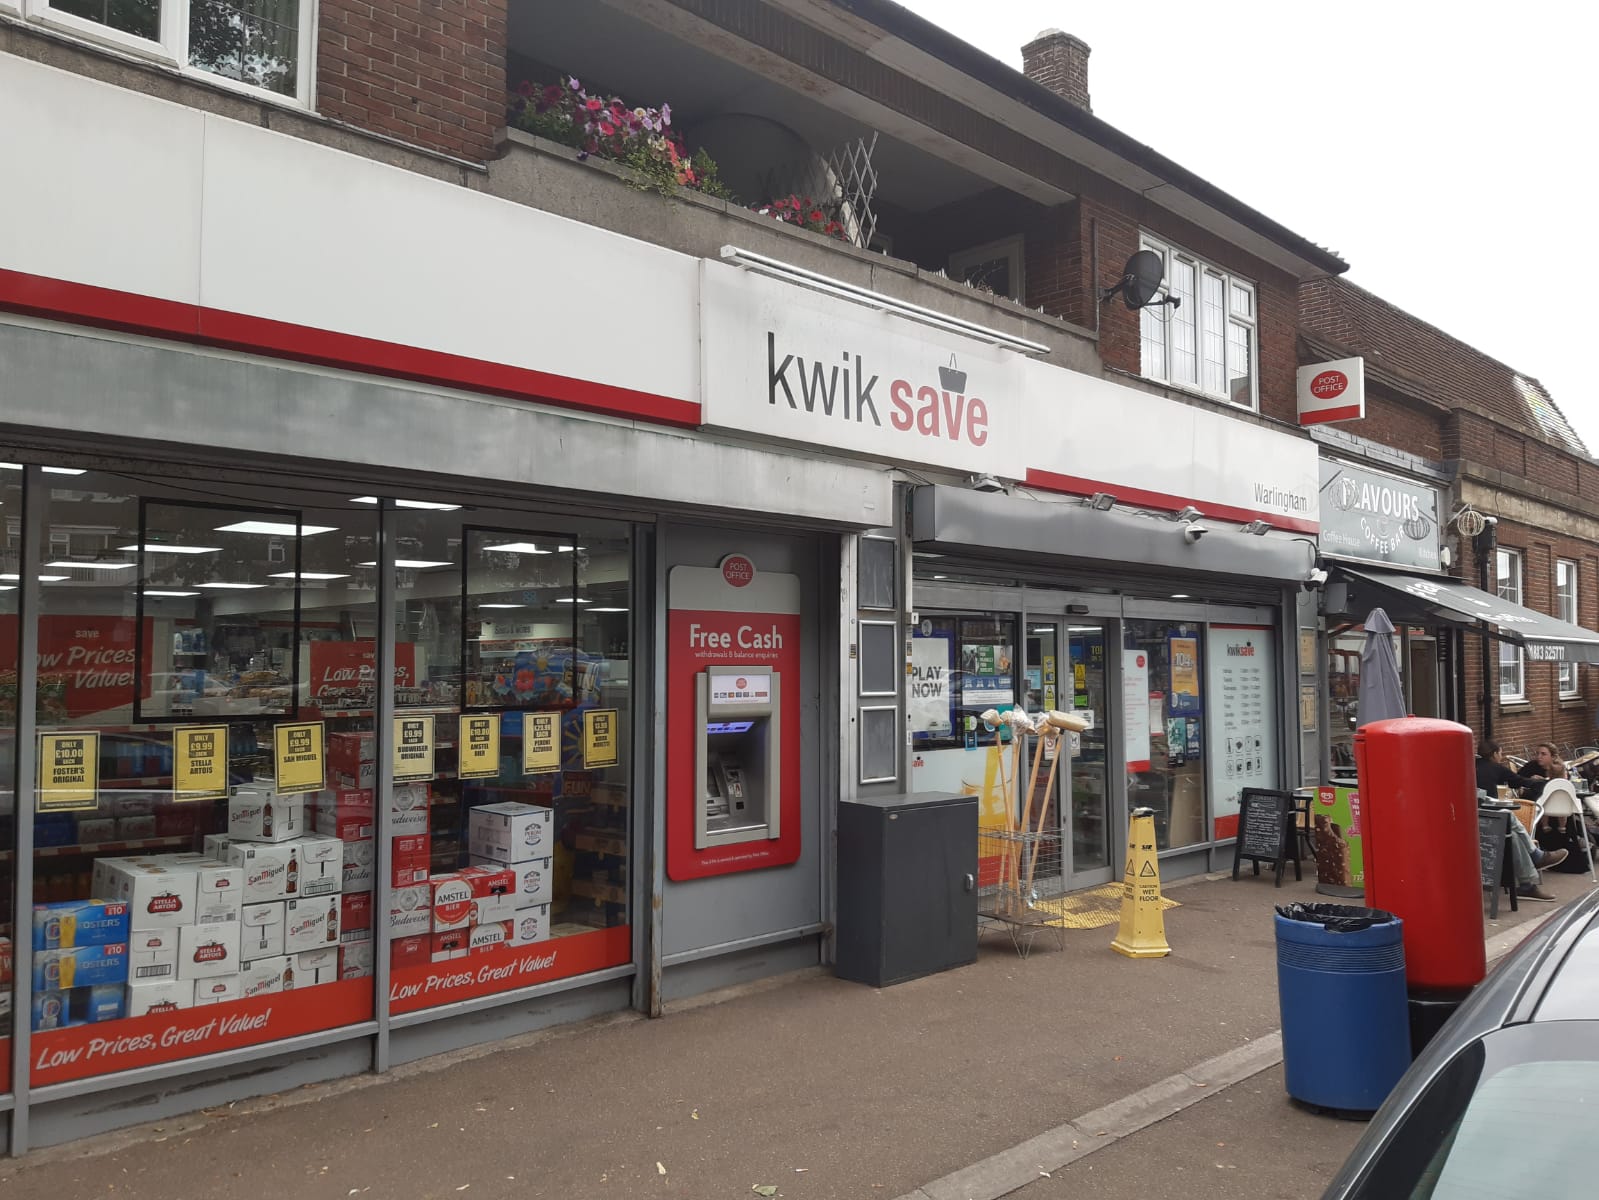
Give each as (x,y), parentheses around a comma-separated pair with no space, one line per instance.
(1566,608)
(172,49)
(1161,316)
(1009,248)
(1508,576)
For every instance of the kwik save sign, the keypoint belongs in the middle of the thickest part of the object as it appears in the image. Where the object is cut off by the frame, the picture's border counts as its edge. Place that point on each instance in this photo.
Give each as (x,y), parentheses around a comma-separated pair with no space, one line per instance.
(783,362)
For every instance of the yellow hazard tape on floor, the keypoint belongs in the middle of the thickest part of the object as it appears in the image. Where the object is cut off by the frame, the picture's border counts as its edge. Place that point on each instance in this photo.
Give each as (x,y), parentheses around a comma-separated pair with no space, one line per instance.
(1092,909)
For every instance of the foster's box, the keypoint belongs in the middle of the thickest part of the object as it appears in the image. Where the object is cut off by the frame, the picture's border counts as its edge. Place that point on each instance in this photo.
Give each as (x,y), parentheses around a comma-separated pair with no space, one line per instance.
(79,923)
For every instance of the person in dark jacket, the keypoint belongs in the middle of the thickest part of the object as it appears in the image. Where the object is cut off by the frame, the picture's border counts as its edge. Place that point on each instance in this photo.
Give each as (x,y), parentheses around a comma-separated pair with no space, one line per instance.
(1492,770)
(1527,857)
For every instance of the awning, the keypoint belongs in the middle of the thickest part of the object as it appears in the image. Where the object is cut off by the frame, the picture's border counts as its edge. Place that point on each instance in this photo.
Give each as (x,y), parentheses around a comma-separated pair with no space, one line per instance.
(1545,638)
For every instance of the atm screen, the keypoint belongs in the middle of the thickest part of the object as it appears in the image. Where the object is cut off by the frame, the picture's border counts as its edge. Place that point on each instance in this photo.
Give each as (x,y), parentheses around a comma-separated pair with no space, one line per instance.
(729,726)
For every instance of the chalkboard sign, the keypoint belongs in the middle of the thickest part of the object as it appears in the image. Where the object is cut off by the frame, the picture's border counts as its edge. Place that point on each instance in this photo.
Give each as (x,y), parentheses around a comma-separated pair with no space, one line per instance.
(1266,832)
(1492,830)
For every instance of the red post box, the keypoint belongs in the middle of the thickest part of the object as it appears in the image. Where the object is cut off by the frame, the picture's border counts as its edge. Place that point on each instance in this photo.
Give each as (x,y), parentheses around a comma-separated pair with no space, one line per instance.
(1418,802)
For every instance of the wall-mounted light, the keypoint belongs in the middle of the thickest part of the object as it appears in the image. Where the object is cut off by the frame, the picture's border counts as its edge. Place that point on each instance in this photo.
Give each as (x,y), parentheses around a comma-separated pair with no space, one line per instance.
(1101,501)
(1258,528)
(1188,513)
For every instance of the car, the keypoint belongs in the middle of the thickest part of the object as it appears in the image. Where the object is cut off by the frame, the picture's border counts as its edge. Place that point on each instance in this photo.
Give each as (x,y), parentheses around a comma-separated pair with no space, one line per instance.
(1501,1102)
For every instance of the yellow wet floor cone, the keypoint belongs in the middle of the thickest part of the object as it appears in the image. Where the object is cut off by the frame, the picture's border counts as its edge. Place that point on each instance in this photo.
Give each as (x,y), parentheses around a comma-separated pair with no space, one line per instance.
(1143,928)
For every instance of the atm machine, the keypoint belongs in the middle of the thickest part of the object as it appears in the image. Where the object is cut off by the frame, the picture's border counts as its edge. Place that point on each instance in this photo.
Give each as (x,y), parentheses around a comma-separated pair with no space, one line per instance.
(738,755)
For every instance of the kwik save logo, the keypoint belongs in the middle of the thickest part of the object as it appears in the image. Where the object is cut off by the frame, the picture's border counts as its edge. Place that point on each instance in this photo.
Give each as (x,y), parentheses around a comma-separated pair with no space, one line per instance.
(847,390)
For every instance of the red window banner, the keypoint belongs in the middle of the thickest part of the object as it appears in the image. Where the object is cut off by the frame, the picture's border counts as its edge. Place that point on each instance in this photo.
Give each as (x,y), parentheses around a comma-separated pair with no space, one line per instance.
(80,1051)
(87,664)
(504,969)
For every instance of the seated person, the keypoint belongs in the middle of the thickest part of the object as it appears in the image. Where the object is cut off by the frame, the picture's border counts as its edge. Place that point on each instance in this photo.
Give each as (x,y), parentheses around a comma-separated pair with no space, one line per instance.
(1538,770)
(1527,858)
(1492,770)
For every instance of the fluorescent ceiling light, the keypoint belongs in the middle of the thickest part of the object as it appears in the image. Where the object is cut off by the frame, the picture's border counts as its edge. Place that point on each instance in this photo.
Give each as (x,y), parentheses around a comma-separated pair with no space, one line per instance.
(240,587)
(92,566)
(569,549)
(8,587)
(276,528)
(940,576)
(925,554)
(164,548)
(42,578)
(502,606)
(415,564)
(431,505)
(1044,629)
(46,470)
(572,600)
(147,592)
(1179,595)
(520,548)
(607,608)
(307,575)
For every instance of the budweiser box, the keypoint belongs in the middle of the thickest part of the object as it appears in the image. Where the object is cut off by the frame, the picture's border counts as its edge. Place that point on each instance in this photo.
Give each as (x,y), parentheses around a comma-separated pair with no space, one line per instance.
(312,967)
(410,911)
(410,951)
(491,936)
(168,995)
(208,951)
(355,916)
(356,960)
(157,897)
(152,955)
(346,813)
(510,832)
(264,976)
(410,860)
(79,923)
(450,944)
(261,935)
(80,966)
(310,924)
(532,882)
(134,829)
(266,870)
(532,924)
(408,809)
(217,989)
(354,775)
(255,816)
(350,749)
(360,866)
(96,829)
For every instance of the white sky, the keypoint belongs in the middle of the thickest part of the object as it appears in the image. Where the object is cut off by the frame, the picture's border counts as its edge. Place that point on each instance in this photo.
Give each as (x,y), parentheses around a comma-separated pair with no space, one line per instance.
(1445,151)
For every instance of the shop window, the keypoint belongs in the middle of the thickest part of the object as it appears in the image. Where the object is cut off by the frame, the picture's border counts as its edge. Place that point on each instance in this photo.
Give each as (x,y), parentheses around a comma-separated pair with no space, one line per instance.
(1566,610)
(879,570)
(10,681)
(1512,660)
(1208,342)
(259,44)
(1163,728)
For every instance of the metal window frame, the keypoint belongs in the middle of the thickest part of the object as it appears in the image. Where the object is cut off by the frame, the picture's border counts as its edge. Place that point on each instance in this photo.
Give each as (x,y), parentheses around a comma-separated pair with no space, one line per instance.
(860,736)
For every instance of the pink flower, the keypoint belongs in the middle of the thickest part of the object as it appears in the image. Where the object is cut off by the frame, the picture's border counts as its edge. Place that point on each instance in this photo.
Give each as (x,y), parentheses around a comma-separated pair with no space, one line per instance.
(595,105)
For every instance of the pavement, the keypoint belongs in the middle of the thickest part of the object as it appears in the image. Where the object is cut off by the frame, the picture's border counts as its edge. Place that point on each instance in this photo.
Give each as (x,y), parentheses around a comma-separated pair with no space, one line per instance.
(943,1088)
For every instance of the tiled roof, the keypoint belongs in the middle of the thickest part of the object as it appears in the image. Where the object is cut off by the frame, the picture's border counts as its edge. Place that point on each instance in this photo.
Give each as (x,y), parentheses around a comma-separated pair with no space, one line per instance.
(1449,370)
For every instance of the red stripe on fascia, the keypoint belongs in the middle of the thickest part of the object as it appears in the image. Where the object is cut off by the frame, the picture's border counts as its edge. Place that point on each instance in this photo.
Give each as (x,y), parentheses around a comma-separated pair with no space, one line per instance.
(107,308)
(1348,412)
(1074,485)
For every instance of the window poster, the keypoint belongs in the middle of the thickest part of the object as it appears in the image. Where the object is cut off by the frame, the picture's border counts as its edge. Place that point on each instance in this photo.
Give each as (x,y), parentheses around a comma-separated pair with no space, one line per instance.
(1135,708)
(1242,728)
(1184,676)
(930,687)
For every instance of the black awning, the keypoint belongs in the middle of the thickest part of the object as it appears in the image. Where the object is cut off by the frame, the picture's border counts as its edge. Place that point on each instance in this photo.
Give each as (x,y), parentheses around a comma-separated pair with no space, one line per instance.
(1545,638)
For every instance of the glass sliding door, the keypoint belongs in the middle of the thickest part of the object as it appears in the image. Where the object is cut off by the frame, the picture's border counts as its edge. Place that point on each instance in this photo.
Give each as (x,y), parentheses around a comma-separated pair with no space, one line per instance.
(1163,716)
(1083,691)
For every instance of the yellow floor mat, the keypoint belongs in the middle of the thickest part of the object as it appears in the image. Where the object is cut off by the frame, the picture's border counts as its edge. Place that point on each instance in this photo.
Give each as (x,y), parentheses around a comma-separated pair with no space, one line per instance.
(1091,909)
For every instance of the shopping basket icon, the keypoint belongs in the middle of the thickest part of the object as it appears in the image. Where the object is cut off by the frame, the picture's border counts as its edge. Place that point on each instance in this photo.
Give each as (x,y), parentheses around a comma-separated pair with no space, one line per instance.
(952,377)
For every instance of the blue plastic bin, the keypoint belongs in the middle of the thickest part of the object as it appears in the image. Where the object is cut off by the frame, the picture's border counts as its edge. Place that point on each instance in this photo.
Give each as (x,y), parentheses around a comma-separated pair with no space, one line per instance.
(1345,1013)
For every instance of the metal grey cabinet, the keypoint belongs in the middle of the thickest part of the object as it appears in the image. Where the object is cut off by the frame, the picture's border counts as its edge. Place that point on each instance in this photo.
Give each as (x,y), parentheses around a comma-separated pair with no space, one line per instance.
(907,886)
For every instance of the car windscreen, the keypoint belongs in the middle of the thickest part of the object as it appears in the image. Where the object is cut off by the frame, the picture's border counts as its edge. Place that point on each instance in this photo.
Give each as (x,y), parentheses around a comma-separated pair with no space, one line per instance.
(1510,1115)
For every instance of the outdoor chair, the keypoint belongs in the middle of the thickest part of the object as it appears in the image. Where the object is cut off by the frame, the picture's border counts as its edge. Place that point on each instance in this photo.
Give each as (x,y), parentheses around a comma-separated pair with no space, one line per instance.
(1560,801)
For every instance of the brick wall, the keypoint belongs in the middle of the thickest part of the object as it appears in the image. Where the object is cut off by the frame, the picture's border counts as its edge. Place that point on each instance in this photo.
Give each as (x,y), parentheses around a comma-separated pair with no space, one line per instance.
(428,72)
(1402,423)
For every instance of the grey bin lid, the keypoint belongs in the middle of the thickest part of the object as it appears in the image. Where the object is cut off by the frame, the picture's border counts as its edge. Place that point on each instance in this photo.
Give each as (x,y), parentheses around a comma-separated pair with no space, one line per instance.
(910,800)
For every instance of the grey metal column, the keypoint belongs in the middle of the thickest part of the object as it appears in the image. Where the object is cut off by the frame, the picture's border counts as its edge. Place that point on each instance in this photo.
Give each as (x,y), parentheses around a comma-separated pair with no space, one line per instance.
(644,789)
(656,926)
(383,735)
(35,505)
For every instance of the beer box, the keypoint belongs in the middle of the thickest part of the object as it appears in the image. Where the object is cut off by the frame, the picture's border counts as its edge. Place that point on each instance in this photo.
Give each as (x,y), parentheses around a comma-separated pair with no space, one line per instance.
(410,951)
(312,879)
(356,960)
(532,924)
(410,911)
(355,916)
(79,923)
(408,809)
(310,924)
(321,849)
(135,829)
(489,883)
(510,832)
(216,846)
(102,1003)
(266,870)
(313,967)
(218,989)
(169,995)
(452,943)
(219,885)
(261,935)
(129,804)
(6,957)
(346,813)
(265,816)
(492,936)
(533,882)
(410,860)
(451,899)
(360,866)
(488,912)
(265,976)
(354,775)
(96,829)
(152,955)
(157,897)
(52,1009)
(346,749)
(208,951)
(179,821)
(80,966)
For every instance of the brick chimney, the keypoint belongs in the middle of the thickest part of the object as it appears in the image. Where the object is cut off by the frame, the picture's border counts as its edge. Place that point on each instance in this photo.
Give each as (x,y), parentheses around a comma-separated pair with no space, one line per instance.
(1059,61)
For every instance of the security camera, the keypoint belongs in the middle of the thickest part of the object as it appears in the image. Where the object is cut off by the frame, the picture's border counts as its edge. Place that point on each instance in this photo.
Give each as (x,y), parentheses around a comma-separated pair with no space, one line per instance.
(1315,579)
(1193,531)
(986,483)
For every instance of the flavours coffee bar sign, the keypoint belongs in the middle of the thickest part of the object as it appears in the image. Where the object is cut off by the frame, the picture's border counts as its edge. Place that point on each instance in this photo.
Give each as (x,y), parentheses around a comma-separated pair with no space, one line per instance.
(1379,518)
(787,363)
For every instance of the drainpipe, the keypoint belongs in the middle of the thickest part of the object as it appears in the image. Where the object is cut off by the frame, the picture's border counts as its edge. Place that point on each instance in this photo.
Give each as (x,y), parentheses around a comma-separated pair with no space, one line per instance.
(1485,545)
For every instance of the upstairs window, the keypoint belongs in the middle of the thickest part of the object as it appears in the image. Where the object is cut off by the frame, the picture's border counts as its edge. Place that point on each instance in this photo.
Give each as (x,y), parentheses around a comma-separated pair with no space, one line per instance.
(258,45)
(1566,610)
(1512,663)
(1208,342)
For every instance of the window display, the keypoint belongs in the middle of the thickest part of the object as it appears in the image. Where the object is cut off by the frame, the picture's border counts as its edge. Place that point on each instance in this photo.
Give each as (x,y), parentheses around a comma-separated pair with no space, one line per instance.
(10,632)
(1164,714)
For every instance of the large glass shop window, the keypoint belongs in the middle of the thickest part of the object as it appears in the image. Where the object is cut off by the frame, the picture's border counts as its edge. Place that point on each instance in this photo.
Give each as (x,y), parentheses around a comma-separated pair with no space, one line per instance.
(510,845)
(10,633)
(201,655)
(1163,718)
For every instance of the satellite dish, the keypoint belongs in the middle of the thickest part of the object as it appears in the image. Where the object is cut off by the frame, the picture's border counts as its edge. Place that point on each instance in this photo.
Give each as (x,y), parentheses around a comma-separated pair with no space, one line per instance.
(1140,282)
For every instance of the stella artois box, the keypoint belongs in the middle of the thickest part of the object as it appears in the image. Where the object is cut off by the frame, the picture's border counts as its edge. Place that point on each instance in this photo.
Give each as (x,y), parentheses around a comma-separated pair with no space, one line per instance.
(532,882)
(310,924)
(157,897)
(531,924)
(265,976)
(167,995)
(218,989)
(451,902)
(219,885)
(312,967)
(410,911)
(208,951)
(261,935)
(266,870)
(511,832)
(152,955)
(408,809)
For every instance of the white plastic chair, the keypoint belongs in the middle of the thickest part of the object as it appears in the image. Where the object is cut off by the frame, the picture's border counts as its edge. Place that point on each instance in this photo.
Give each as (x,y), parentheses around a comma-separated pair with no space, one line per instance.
(1559,799)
